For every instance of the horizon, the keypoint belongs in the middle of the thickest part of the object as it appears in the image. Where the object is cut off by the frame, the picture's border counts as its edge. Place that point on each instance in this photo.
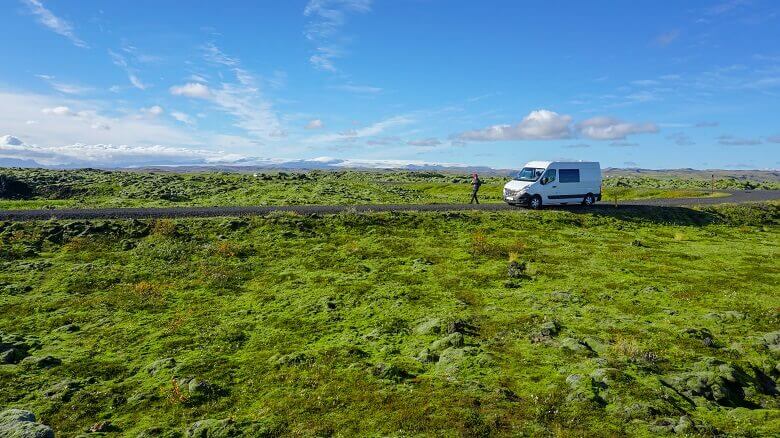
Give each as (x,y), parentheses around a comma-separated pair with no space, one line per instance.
(645,85)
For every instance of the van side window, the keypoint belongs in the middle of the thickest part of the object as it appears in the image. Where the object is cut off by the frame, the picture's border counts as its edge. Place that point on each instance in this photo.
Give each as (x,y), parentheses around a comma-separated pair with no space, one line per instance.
(550,175)
(570,175)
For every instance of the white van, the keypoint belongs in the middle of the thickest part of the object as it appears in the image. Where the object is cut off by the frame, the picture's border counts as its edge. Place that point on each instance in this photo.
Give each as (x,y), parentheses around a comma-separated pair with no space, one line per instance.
(555,183)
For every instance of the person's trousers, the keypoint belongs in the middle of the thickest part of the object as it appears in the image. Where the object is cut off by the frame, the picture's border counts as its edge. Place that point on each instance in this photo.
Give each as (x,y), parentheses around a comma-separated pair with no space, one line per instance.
(474,197)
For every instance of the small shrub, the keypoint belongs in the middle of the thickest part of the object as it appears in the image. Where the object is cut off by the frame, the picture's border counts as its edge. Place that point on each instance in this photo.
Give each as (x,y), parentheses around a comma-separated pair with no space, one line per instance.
(226,249)
(176,395)
(147,292)
(481,246)
(164,227)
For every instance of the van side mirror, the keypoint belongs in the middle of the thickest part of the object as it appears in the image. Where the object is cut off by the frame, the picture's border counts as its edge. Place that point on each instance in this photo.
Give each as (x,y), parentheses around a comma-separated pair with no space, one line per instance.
(545,180)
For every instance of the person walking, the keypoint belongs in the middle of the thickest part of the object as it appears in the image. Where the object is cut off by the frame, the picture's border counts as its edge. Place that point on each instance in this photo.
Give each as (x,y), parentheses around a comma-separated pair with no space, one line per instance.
(475,183)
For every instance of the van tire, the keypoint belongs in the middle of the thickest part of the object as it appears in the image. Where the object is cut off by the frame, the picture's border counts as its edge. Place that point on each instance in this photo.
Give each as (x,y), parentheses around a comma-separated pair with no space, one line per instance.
(589,200)
(535,203)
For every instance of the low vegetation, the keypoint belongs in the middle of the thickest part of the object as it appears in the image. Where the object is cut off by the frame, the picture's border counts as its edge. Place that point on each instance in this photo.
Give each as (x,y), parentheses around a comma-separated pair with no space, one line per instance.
(41,188)
(639,322)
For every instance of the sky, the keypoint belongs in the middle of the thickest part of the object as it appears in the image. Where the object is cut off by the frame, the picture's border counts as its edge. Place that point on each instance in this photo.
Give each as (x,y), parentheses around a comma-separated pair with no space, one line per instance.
(651,84)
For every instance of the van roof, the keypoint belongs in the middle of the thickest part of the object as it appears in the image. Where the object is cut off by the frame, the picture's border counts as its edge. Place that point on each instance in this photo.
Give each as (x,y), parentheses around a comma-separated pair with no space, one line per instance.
(544,164)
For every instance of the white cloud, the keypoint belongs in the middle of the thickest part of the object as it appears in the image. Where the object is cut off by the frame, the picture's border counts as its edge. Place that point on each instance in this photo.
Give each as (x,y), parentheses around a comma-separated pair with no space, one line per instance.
(537,125)
(153,111)
(59,111)
(194,90)
(773,139)
(66,121)
(182,117)
(608,128)
(54,23)
(577,146)
(10,140)
(427,142)
(706,125)
(315,124)
(108,155)
(327,19)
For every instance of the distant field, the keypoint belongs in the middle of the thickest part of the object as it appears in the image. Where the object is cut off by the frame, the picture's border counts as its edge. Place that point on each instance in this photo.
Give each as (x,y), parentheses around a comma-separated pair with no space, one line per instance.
(638,322)
(94,188)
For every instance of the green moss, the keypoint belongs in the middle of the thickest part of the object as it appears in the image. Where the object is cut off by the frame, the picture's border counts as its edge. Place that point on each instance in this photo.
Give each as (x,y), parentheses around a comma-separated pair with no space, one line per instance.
(97,188)
(309,325)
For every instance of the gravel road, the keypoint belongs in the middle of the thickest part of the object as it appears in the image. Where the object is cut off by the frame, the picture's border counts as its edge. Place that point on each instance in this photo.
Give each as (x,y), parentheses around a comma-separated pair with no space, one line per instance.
(174,212)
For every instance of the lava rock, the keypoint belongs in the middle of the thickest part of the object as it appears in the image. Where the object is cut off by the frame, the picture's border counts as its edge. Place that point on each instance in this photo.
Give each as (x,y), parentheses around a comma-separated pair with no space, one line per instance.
(517,269)
(103,426)
(161,364)
(452,340)
(546,332)
(772,341)
(211,428)
(41,361)
(428,327)
(64,390)
(390,372)
(68,328)
(17,423)
(576,346)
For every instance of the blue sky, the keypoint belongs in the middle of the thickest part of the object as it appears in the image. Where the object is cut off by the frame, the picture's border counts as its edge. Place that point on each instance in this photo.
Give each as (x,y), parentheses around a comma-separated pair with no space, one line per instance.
(654,84)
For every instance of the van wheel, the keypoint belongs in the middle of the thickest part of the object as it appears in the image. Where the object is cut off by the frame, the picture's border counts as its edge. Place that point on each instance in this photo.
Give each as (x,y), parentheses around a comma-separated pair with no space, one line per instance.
(536,202)
(589,200)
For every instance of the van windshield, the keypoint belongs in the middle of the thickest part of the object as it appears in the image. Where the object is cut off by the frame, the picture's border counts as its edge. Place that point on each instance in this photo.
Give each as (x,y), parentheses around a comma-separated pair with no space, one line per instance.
(529,174)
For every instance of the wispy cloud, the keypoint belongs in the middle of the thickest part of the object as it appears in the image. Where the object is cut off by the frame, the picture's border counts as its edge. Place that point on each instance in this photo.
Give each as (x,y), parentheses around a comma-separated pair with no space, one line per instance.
(623,144)
(64,87)
(359,89)
(730,140)
(327,18)
(425,142)
(666,38)
(242,99)
(371,130)
(609,128)
(706,125)
(315,124)
(53,22)
(132,76)
(681,139)
(726,6)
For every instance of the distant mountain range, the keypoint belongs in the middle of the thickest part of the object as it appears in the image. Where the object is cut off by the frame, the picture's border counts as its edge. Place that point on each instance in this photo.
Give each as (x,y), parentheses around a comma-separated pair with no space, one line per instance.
(327,163)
